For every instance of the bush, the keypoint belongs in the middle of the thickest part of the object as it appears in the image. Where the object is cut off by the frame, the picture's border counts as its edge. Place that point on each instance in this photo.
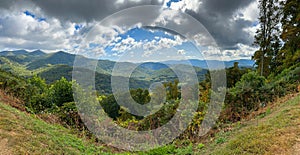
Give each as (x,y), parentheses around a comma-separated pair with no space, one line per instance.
(246,96)
(68,113)
(110,106)
(61,92)
(253,91)
(39,95)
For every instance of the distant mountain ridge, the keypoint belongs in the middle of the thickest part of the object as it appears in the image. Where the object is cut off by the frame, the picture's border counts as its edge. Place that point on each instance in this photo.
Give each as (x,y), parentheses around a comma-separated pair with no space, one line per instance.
(52,66)
(22,52)
(53,59)
(204,63)
(61,57)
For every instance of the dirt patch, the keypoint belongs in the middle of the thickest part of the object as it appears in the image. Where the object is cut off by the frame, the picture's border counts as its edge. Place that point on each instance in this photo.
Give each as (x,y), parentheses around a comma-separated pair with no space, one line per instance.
(12,101)
(296,148)
(4,149)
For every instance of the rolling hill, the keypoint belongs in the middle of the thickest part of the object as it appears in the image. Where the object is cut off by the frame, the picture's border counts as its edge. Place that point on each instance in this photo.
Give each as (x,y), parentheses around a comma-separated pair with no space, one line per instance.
(37,62)
(60,57)
(53,66)
(102,81)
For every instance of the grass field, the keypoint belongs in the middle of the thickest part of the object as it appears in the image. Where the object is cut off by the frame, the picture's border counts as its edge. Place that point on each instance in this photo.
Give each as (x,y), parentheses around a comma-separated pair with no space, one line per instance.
(276,131)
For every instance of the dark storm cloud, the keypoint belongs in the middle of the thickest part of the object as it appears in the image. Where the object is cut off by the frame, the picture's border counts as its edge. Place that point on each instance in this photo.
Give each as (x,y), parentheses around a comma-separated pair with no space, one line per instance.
(14,4)
(81,10)
(215,15)
(6,3)
(223,7)
(218,17)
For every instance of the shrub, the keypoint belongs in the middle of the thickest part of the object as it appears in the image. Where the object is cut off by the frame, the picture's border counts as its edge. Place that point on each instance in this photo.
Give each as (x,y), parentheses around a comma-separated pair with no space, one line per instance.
(245,97)
(61,92)
(68,113)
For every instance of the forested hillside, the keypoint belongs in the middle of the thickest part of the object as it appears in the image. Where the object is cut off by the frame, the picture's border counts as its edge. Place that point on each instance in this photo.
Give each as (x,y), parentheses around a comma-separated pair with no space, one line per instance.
(41,104)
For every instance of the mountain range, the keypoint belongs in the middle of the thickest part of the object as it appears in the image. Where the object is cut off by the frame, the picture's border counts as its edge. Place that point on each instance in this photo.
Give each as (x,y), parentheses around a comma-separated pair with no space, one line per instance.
(53,66)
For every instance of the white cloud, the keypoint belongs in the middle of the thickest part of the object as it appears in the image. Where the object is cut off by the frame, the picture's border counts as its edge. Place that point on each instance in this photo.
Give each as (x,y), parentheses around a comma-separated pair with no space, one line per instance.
(58,33)
(102,35)
(251,12)
(242,52)
(166,16)
(184,5)
(148,47)
(181,52)
(203,40)
(126,44)
(121,2)
(21,31)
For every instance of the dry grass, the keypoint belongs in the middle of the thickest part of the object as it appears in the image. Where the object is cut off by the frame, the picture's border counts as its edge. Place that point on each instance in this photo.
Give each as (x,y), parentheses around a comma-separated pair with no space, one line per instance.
(276,133)
(22,133)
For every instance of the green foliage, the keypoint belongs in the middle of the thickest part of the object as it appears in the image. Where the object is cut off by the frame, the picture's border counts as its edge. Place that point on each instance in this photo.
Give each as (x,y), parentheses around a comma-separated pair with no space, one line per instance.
(234,74)
(254,91)
(220,140)
(140,96)
(69,115)
(161,117)
(53,59)
(286,81)
(61,92)
(265,136)
(172,90)
(267,37)
(13,85)
(247,92)
(185,151)
(32,135)
(200,146)
(246,96)
(289,55)
(110,106)
(168,149)
(39,99)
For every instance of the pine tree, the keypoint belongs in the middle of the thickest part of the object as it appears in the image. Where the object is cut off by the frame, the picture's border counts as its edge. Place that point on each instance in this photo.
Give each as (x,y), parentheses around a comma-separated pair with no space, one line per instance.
(267,37)
(290,53)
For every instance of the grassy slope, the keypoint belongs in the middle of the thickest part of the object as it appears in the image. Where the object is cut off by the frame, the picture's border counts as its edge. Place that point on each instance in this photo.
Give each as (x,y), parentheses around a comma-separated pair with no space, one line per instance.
(277,131)
(21,133)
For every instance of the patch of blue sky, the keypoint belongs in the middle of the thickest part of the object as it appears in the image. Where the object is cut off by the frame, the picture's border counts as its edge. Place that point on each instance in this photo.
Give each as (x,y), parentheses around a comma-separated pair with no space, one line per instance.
(78,26)
(39,19)
(94,45)
(28,13)
(172,1)
(142,34)
(255,23)
(146,35)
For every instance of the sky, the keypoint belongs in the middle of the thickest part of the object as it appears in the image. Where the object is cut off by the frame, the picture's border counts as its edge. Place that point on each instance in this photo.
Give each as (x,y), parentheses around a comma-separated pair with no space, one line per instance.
(132,30)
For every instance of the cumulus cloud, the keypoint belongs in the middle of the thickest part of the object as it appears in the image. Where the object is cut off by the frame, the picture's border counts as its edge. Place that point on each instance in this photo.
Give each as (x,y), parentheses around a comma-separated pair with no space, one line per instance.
(185,5)
(126,45)
(129,44)
(19,30)
(229,22)
(220,19)
(181,52)
(250,12)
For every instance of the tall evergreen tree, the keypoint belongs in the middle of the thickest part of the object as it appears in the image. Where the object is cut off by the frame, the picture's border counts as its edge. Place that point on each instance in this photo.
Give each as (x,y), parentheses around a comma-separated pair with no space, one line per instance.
(267,36)
(290,53)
